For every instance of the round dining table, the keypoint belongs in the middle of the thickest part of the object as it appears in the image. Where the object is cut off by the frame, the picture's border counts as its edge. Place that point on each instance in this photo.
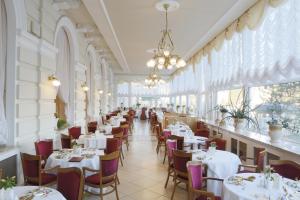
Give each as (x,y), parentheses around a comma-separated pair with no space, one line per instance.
(97,141)
(220,164)
(249,186)
(36,193)
(88,158)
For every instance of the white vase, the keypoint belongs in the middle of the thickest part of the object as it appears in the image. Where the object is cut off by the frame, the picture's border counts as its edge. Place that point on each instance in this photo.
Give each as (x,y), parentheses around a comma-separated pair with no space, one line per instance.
(238,123)
(275,133)
(7,194)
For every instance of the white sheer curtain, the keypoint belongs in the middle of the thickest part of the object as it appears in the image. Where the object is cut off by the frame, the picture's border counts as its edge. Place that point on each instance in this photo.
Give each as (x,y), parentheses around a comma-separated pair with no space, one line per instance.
(123,89)
(266,55)
(3,32)
(63,69)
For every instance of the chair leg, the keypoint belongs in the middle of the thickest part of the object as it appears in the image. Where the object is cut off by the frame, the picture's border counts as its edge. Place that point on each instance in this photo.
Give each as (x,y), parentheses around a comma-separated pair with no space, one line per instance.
(101,193)
(118,180)
(127,144)
(116,190)
(188,192)
(175,185)
(121,161)
(165,154)
(157,147)
(169,173)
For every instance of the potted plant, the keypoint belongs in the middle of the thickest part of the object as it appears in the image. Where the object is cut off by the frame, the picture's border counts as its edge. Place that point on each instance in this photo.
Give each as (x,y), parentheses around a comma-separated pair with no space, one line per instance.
(6,185)
(223,110)
(61,124)
(241,112)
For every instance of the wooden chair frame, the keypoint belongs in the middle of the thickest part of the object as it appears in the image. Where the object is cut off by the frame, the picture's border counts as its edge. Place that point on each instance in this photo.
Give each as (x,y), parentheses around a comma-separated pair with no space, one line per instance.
(113,184)
(38,180)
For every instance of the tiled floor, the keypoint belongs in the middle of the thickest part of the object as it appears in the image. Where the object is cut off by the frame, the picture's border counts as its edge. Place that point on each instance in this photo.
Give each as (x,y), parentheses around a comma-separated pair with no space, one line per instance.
(143,175)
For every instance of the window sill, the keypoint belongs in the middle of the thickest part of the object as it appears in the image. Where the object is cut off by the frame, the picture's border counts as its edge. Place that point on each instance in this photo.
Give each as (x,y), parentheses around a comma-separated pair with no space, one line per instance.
(287,144)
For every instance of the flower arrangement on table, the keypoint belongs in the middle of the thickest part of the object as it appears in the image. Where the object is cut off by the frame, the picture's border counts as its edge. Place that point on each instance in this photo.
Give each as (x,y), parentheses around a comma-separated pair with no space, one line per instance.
(7,183)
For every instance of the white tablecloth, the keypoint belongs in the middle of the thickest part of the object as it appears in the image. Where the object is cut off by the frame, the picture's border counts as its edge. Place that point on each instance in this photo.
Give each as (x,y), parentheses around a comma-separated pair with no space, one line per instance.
(116,120)
(92,162)
(97,141)
(221,164)
(183,130)
(53,195)
(255,190)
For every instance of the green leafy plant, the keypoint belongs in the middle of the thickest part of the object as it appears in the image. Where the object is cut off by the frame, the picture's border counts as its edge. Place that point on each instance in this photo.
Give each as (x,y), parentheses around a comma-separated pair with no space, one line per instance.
(61,124)
(8,182)
(241,109)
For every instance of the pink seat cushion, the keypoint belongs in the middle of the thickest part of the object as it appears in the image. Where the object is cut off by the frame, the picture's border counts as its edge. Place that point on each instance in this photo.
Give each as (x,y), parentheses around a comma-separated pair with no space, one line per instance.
(70,191)
(95,180)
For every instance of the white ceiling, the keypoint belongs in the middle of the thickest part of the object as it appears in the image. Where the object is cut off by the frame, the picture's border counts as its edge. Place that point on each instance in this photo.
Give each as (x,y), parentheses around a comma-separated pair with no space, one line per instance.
(131,27)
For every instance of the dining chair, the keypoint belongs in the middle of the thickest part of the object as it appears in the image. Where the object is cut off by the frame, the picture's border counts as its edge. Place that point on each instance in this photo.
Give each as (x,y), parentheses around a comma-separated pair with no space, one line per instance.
(161,140)
(44,148)
(179,140)
(33,172)
(66,141)
(171,146)
(105,177)
(195,179)
(286,168)
(116,130)
(125,128)
(73,175)
(258,165)
(166,134)
(75,132)
(221,143)
(112,145)
(203,132)
(119,136)
(180,159)
(143,114)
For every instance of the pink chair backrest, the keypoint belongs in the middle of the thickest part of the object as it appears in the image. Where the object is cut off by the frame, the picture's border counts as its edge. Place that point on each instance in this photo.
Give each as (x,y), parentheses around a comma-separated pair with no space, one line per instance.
(44,148)
(167,134)
(112,145)
(116,130)
(195,175)
(65,141)
(75,132)
(171,146)
(221,144)
(202,133)
(65,176)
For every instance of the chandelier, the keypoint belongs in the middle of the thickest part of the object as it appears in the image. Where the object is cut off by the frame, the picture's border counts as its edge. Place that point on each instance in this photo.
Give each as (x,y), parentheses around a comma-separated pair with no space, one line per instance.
(153,79)
(164,58)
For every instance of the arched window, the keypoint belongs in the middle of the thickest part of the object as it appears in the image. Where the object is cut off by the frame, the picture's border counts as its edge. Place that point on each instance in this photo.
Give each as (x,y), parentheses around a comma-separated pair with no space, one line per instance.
(63,74)
(3,63)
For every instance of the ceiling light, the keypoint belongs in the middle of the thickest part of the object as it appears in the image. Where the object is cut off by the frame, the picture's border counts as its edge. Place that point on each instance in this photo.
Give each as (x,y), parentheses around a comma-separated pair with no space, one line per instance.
(100,91)
(85,87)
(54,80)
(151,63)
(164,56)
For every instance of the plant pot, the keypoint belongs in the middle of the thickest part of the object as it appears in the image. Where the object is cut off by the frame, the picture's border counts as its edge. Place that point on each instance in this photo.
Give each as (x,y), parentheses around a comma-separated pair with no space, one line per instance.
(223,122)
(275,132)
(7,194)
(238,123)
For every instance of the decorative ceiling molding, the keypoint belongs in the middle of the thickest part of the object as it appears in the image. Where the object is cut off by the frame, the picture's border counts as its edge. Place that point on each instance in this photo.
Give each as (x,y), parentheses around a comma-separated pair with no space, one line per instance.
(85,28)
(66,4)
(102,20)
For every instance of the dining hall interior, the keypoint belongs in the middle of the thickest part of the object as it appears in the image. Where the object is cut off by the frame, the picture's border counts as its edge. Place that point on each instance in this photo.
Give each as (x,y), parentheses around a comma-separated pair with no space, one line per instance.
(149,99)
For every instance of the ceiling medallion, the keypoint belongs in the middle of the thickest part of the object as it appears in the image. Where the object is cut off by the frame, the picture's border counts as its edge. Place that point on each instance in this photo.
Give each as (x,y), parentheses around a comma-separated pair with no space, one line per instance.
(164,58)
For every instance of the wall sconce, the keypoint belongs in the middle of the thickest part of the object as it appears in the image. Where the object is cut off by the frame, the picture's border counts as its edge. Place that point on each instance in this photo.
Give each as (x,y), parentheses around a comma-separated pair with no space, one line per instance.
(109,94)
(85,87)
(55,82)
(100,91)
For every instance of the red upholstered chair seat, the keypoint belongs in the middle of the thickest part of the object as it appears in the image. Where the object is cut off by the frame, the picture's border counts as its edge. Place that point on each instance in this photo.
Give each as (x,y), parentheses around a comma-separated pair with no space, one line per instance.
(46,179)
(161,138)
(95,179)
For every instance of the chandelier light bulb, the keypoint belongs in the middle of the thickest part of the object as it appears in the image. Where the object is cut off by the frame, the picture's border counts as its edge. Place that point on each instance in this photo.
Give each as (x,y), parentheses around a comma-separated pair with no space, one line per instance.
(181,63)
(100,91)
(170,67)
(55,82)
(166,53)
(161,60)
(151,63)
(173,61)
(160,67)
